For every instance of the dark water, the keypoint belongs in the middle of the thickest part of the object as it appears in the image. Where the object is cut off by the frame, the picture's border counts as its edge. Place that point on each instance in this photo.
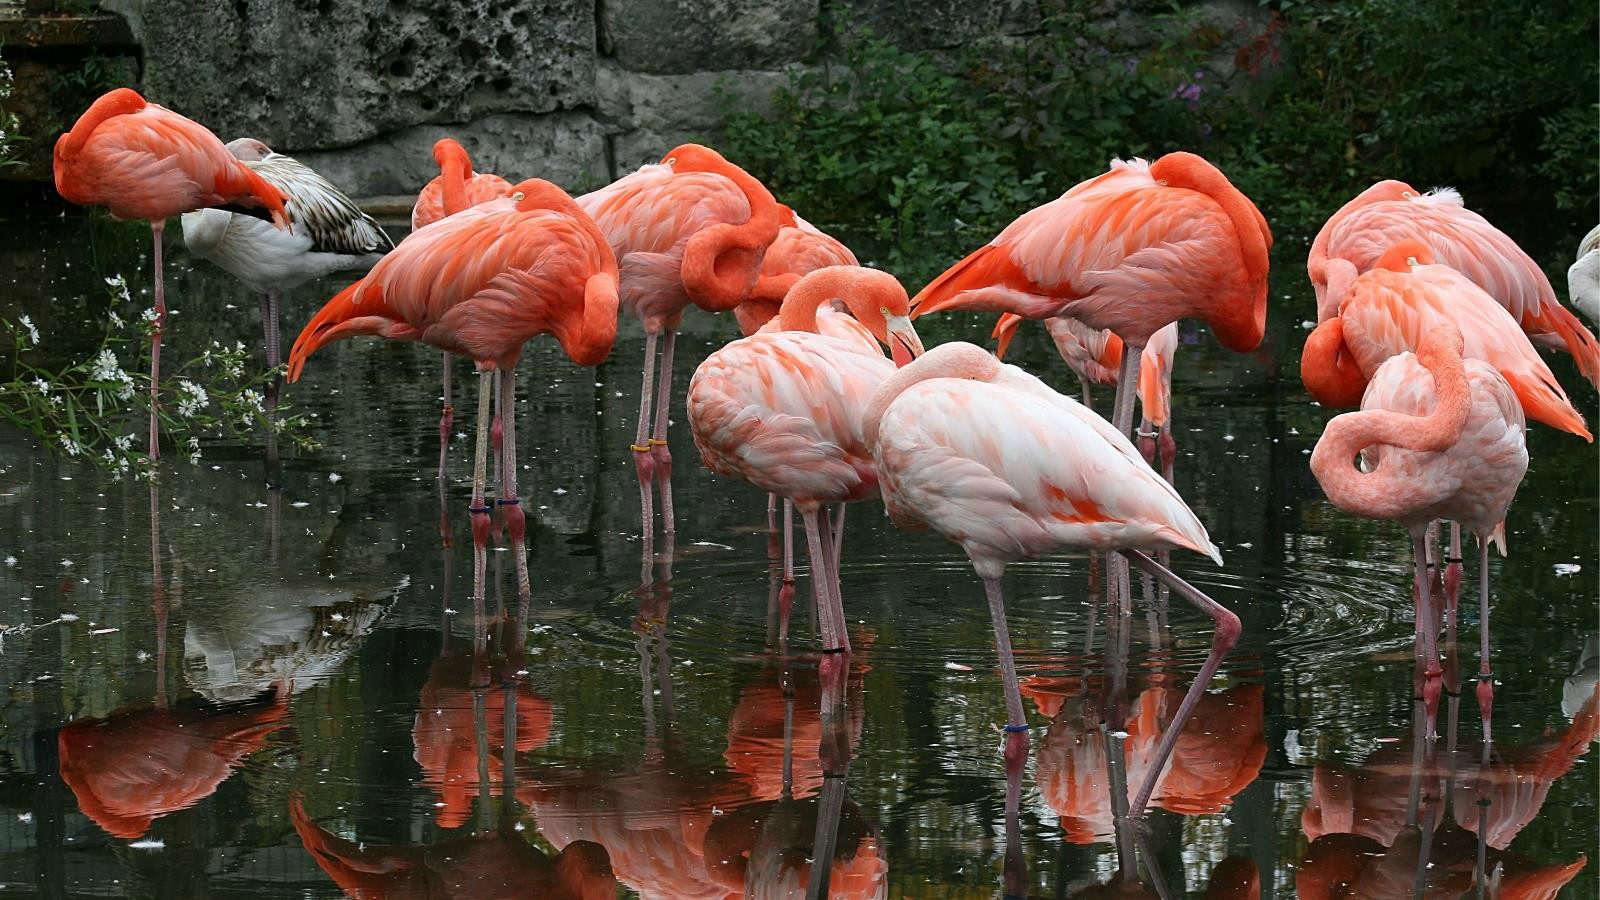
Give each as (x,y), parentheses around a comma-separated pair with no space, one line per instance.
(295,693)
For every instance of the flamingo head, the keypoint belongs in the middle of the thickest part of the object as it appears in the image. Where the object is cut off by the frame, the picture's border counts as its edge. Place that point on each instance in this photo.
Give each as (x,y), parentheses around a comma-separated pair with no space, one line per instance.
(248,149)
(1402,255)
(449,154)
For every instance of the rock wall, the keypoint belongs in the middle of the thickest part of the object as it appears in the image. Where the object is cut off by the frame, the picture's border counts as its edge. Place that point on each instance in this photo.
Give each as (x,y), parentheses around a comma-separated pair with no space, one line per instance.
(577,91)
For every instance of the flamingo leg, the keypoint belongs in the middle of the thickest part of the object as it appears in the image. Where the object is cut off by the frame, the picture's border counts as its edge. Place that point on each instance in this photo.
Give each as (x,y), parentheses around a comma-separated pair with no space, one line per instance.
(269,328)
(447,417)
(1485,677)
(1427,630)
(658,443)
(835,596)
(1453,571)
(510,504)
(1222,641)
(1016,720)
(838,549)
(1014,877)
(786,590)
(477,509)
(156,229)
(820,579)
(1127,387)
(772,527)
(641,440)
(1087,401)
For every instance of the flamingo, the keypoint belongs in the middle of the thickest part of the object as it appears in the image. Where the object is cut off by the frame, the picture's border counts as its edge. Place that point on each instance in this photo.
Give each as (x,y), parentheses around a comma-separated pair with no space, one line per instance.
(1357,236)
(1445,440)
(690,230)
(143,161)
(481,283)
(1583,279)
(455,188)
(330,234)
(799,249)
(780,409)
(1129,251)
(994,460)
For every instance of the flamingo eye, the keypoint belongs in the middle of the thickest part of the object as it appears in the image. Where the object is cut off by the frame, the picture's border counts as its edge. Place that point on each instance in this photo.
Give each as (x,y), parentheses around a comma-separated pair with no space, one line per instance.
(883,311)
(671,160)
(1407,194)
(517,196)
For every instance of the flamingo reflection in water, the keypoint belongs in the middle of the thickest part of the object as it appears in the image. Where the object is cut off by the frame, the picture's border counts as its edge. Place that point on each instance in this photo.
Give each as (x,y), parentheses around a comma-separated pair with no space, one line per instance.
(1415,821)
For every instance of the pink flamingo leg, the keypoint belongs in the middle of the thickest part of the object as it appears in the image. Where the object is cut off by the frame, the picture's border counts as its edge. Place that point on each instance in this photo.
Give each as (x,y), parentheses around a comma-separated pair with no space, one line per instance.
(1427,630)
(155,345)
(1227,634)
(1014,877)
(1016,720)
(641,440)
(821,581)
(1485,676)
(786,590)
(447,418)
(478,510)
(497,441)
(835,597)
(658,443)
(1453,571)
(838,548)
(510,504)
(269,326)
(1122,420)
(1083,382)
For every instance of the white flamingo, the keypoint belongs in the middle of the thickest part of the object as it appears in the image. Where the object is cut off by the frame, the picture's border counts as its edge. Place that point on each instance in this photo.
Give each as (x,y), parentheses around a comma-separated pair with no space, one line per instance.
(329,234)
(1583,279)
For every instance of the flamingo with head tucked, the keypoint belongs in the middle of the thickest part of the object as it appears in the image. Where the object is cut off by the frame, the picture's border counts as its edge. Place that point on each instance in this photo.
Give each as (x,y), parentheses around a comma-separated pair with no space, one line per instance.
(1130,251)
(781,409)
(1443,438)
(1356,238)
(454,189)
(1007,468)
(142,161)
(691,230)
(481,283)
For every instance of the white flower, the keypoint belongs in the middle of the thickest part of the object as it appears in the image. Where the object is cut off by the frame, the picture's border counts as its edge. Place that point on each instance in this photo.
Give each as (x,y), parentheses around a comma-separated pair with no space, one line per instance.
(105,366)
(10,561)
(335,478)
(70,445)
(148,316)
(191,398)
(33,333)
(254,400)
(116,320)
(42,385)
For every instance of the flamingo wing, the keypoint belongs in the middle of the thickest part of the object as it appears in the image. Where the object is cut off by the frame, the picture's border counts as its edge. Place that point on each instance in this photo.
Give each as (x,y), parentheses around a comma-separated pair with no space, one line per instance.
(317,208)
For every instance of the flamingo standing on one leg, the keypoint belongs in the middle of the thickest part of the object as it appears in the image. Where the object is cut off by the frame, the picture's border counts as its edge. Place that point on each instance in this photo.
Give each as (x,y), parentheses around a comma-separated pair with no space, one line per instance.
(481,283)
(996,461)
(330,234)
(799,249)
(1129,251)
(781,409)
(692,229)
(143,161)
(455,188)
(1583,278)
(1363,230)
(1450,446)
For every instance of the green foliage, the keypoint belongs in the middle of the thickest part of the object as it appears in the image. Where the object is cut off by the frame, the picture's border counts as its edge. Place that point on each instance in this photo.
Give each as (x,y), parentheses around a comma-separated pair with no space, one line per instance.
(89,409)
(917,158)
(9,138)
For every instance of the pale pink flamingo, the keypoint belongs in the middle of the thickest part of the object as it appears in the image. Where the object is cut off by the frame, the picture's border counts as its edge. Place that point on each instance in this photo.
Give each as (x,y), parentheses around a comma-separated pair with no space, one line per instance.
(330,234)
(1093,354)
(999,463)
(1130,251)
(690,230)
(1443,438)
(142,161)
(481,283)
(454,189)
(1363,230)
(1583,278)
(781,409)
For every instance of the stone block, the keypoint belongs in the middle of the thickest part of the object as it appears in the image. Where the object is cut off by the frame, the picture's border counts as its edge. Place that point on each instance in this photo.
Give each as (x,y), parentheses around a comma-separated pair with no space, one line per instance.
(937,24)
(566,148)
(332,72)
(676,36)
(659,112)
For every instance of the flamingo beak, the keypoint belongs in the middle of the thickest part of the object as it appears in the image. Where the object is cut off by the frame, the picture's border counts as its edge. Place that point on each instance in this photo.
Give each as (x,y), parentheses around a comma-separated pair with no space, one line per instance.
(904,345)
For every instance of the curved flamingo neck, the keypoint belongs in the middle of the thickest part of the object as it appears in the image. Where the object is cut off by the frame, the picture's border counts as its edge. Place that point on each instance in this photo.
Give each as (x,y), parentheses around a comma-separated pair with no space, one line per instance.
(587,340)
(1329,370)
(1377,494)
(721,263)
(799,309)
(455,167)
(120,102)
(952,360)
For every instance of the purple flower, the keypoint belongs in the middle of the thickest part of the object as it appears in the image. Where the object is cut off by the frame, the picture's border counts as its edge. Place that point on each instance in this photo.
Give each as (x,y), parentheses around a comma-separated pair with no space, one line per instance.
(1131,64)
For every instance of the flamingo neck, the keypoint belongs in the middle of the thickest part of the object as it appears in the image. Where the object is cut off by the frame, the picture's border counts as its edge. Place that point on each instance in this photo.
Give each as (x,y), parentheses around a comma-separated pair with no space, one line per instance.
(722,262)
(1329,370)
(455,167)
(120,102)
(805,296)
(1378,494)
(952,360)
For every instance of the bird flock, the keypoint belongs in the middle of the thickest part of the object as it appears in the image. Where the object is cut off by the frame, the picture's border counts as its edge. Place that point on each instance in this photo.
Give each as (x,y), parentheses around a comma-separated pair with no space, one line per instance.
(1429,321)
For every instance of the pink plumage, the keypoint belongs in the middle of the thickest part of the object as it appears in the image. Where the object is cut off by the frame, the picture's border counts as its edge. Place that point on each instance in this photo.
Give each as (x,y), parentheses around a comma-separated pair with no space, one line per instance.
(456,187)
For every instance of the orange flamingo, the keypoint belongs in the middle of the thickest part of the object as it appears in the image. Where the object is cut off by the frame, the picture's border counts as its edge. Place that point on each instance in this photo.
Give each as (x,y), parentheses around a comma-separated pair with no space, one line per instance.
(455,188)
(1450,446)
(781,409)
(691,230)
(481,283)
(997,462)
(142,161)
(1129,251)
(1356,237)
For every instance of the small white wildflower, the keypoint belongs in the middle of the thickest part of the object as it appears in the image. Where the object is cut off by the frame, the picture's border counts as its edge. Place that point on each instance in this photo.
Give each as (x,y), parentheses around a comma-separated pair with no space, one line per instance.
(148,316)
(70,445)
(123,441)
(42,385)
(193,443)
(191,398)
(335,478)
(115,320)
(33,333)
(105,366)
(11,561)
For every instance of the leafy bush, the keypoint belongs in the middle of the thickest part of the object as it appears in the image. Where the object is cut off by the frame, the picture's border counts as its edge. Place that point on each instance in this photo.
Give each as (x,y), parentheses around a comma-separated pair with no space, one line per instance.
(917,158)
